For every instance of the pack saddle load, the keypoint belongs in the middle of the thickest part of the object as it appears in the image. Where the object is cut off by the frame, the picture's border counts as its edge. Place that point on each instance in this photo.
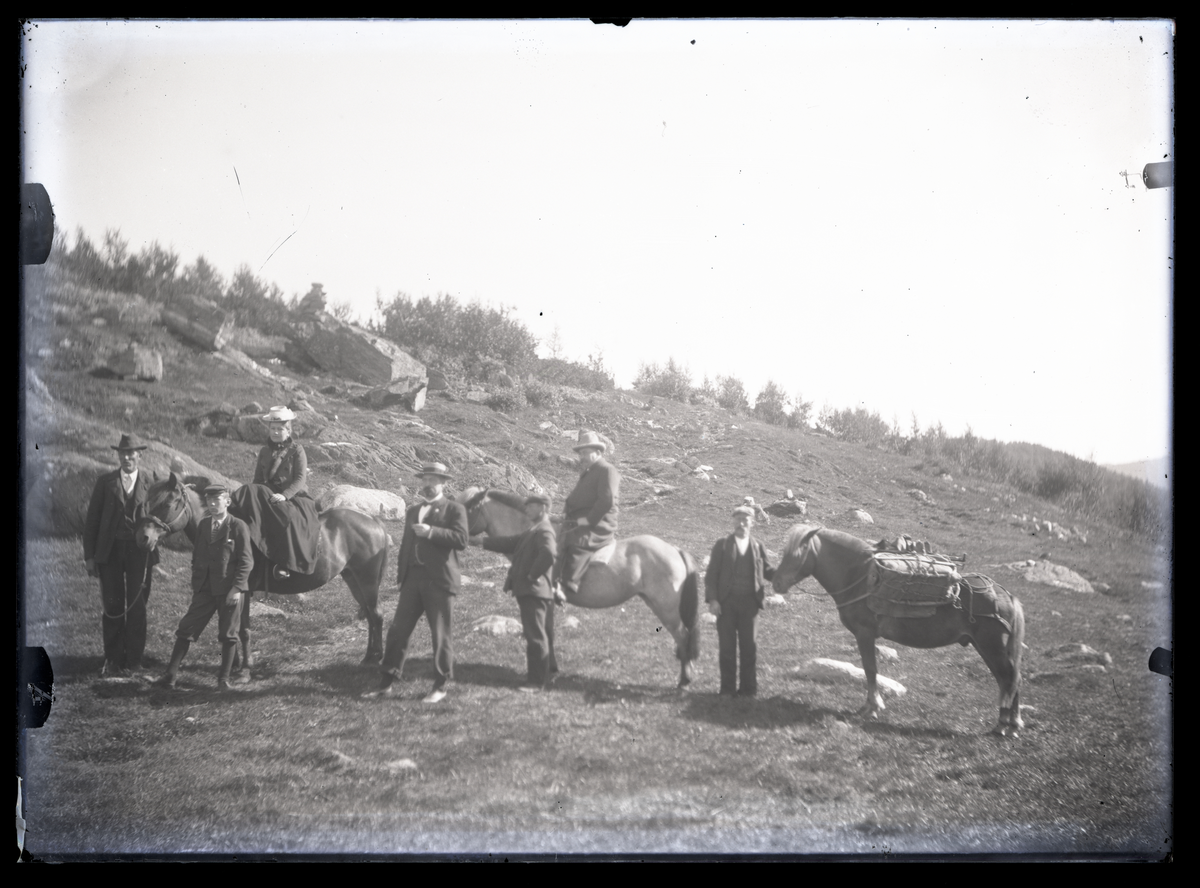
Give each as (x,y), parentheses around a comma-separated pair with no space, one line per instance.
(907,579)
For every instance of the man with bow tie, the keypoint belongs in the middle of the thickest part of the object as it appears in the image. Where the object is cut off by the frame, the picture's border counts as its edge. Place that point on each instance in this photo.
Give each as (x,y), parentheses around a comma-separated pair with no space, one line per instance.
(110,553)
(221,563)
(435,531)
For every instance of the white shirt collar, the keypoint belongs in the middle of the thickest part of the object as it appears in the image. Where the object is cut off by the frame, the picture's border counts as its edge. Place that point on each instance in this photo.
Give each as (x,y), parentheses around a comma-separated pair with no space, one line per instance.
(132,476)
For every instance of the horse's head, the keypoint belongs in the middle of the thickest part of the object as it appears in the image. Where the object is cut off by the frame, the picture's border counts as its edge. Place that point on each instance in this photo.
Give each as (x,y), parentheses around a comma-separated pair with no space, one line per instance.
(170,506)
(494,512)
(798,559)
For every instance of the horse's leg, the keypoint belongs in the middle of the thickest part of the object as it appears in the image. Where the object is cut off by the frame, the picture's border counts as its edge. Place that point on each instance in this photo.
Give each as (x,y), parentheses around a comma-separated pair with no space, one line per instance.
(1001,651)
(367,596)
(662,598)
(866,649)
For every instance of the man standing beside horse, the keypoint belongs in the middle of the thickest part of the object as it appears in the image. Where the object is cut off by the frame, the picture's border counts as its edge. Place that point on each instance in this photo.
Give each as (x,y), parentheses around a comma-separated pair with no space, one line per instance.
(221,563)
(734,587)
(123,568)
(591,520)
(435,531)
(528,579)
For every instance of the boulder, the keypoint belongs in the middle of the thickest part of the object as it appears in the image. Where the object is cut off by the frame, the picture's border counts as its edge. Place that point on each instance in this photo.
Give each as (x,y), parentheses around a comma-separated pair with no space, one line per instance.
(253,409)
(138,362)
(861,516)
(497,625)
(1048,574)
(408,391)
(381,504)
(354,353)
(198,321)
(787,508)
(839,672)
(1079,654)
(437,380)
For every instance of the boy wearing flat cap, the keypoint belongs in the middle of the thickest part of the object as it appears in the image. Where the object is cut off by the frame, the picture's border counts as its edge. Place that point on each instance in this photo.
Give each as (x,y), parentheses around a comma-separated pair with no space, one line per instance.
(221,562)
(734,586)
(532,554)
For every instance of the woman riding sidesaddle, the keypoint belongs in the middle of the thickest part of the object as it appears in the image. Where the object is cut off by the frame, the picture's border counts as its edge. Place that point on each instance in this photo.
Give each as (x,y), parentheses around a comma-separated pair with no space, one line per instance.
(276,505)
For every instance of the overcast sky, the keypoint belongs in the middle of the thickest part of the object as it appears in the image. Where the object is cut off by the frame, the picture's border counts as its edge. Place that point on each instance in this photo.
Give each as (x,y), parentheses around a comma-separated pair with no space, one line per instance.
(920,217)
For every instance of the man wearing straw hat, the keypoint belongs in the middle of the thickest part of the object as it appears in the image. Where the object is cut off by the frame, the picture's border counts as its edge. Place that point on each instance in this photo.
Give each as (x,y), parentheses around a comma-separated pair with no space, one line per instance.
(435,531)
(110,553)
(734,587)
(591,520)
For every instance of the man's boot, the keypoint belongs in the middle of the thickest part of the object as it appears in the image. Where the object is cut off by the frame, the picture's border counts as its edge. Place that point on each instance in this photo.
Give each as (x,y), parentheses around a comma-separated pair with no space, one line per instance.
(228,652)
(177,655)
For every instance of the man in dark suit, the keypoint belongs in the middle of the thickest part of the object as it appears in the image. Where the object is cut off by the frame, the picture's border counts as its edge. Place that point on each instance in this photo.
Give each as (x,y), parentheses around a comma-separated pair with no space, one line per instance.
(110,553)
(435,531)
(528,579)
(591,521)
(734,586)
(221,561)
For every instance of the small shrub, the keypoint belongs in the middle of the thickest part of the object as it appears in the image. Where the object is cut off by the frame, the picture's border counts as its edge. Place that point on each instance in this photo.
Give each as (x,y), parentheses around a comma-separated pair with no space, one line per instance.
(508,400)
(731,394)
(543,395)
(672,381)
(560,372)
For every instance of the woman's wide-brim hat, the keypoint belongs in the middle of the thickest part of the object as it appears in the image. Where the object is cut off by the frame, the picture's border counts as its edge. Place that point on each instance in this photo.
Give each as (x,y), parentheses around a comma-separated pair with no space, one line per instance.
(590,439)
(130,442)
(436,470)
(279,414)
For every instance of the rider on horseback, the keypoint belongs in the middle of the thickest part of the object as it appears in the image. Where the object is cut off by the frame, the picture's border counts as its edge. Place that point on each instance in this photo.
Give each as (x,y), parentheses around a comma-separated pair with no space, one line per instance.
(591,521)
(276,505)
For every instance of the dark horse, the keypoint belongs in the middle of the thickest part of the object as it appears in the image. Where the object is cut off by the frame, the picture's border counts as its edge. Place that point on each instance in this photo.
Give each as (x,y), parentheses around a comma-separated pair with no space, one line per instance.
(663,576)
(840,563)
(352,544)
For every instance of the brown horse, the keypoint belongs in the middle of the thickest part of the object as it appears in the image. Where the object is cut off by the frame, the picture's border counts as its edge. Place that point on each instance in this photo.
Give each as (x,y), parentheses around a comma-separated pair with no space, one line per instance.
(840,563)
(665,577)
(351,544)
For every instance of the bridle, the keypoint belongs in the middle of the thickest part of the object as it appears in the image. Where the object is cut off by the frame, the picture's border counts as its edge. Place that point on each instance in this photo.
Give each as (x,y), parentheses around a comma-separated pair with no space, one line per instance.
(173,524)
(834,595)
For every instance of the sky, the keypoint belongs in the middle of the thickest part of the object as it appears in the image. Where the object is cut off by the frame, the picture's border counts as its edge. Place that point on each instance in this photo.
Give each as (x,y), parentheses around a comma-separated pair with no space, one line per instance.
(915,217)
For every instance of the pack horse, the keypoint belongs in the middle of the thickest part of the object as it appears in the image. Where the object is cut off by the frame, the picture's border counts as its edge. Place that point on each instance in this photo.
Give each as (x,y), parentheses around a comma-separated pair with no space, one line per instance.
(665,577)
(983,614)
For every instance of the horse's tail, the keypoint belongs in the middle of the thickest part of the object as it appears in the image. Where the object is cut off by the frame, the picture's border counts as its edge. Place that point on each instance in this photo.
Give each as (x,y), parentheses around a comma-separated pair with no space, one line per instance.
(1016,638)
(689,609)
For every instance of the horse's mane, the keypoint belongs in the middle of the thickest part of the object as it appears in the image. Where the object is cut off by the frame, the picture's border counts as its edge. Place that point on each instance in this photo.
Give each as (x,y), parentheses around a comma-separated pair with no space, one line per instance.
(791,543)
(510,498)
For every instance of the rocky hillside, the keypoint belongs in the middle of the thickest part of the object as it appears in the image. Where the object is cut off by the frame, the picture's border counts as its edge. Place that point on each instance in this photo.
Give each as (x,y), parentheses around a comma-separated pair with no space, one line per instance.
(683,466)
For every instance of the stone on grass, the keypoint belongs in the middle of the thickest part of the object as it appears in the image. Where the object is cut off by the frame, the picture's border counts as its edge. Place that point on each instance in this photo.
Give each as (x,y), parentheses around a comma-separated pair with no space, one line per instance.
(838,672)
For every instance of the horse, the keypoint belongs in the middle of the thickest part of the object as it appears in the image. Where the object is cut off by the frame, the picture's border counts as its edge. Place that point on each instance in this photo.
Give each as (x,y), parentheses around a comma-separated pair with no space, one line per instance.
(351,544)
(840,563)
(665,577)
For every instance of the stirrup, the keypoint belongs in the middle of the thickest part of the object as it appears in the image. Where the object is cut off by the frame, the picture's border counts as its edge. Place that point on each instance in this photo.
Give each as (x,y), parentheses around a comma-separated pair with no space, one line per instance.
(280,573)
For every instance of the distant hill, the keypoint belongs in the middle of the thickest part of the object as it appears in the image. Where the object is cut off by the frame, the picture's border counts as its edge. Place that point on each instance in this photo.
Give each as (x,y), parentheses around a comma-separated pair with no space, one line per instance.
(1156,471)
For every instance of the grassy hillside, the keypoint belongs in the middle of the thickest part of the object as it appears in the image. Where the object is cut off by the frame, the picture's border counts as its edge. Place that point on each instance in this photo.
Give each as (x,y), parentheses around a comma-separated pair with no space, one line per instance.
(613,759)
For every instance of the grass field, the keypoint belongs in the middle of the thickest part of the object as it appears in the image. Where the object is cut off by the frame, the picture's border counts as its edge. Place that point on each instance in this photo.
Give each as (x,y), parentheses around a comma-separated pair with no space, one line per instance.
(613,759)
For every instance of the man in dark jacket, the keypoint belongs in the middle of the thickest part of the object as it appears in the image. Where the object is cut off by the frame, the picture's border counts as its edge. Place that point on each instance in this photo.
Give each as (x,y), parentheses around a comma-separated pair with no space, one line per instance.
(221,561)
(435,531)
(591,521)
(734,586)
(528,579)
(110,553)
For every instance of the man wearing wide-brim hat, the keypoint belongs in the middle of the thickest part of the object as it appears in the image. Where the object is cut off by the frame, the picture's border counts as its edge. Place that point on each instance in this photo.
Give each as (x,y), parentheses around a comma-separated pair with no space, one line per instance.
(532,554)
(427,571)
(591,512)
(110,553)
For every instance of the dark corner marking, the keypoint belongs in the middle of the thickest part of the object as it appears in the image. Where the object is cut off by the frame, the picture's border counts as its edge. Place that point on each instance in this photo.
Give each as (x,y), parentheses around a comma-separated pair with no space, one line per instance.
(37,676)
(619,22)
(1162,662)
